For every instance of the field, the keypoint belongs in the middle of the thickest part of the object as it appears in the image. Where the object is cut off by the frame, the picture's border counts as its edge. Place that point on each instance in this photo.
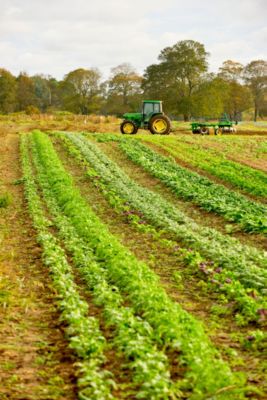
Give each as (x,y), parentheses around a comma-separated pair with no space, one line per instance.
(131,267)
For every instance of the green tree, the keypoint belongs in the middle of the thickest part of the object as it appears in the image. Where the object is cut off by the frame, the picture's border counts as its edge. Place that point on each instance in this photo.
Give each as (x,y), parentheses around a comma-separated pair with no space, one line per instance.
(42,92)
(156,85)
(255,75)
(81,91)
(123,90)
(237,99)
(179,73)
(209,98)
(25,92)
(7,91)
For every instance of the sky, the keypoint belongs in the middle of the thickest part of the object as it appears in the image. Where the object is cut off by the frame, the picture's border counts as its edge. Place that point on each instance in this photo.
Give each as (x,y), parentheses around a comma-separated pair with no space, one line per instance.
(57,36)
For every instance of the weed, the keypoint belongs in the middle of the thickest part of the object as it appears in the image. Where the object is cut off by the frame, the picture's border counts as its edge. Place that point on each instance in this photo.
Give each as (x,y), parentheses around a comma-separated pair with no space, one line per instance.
(5,200)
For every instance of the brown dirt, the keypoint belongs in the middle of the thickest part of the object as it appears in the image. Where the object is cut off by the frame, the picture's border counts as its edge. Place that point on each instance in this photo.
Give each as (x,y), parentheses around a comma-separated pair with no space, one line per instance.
(35,362)
(165,263)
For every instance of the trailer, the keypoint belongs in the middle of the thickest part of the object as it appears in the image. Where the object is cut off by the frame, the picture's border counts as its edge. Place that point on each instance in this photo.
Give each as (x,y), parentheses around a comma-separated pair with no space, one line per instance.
(222,126)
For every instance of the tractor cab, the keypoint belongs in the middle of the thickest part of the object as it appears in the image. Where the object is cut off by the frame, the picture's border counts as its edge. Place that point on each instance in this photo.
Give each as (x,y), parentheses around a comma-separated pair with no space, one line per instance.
(150,108)
(151,117)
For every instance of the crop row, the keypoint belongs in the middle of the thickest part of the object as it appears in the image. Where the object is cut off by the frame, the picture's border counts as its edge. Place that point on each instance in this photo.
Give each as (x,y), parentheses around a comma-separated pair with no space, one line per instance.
(251,216)
(174,329)
(125,194)
(251,148)
(133,336)
(243,177)
(83,331)
(227,251)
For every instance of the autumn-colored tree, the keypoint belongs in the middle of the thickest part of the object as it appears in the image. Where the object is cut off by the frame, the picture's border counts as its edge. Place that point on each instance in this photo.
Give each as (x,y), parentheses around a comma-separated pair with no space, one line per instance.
(231,71)
(123,89)
(7,91)
(255,75)
(237,97)
(25,92)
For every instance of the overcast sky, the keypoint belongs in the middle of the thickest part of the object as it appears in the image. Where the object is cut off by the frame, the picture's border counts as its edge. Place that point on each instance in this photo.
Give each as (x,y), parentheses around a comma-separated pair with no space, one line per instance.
(57,36)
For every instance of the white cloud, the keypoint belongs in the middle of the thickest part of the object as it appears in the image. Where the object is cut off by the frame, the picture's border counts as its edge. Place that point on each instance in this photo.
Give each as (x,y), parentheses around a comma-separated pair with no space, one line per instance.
(56,36)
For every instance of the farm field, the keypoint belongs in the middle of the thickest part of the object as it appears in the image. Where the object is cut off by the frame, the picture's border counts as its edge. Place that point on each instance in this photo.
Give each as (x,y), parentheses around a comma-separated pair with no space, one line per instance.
(132,267)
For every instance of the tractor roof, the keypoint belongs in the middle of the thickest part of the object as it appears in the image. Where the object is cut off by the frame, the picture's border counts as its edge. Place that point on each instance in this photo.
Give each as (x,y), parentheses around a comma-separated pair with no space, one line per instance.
(152,101)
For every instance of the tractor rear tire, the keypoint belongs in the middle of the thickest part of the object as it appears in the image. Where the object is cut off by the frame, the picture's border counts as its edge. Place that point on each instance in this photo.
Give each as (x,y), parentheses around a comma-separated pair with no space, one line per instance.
(128,127)
(160,124)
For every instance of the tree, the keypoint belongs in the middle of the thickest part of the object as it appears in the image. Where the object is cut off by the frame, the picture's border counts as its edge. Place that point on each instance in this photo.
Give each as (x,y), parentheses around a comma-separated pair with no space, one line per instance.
(81,91)
(157,85)
(179,72)
(231,71)
(255,75)
(209,98)
(25,92)
(42,91)
(237,99)
(123,89)
(7,91)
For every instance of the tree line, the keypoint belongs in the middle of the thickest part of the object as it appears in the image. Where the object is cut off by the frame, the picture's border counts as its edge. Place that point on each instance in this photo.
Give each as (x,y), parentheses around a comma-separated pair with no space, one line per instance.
(180,78)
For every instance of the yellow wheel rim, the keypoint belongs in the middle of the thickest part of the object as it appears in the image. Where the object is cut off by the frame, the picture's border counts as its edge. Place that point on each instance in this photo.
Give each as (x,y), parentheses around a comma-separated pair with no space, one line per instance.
(159,125)
(128,128)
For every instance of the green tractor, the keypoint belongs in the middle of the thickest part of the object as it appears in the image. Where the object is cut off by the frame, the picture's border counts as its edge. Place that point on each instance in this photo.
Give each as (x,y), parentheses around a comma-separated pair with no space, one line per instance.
(151,117)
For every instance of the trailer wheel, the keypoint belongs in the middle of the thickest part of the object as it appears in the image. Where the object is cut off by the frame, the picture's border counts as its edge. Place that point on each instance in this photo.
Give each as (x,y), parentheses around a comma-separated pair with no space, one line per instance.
(204,130)
(128,127)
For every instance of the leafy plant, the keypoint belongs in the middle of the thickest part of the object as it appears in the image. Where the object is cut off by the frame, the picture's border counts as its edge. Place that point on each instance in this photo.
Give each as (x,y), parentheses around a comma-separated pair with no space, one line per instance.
(250,215)
(85,337)
(243,177)
(206,374)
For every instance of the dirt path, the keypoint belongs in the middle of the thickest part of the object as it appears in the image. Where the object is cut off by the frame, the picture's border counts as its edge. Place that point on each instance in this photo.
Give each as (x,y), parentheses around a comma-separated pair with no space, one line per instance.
(167,265)
(35,362)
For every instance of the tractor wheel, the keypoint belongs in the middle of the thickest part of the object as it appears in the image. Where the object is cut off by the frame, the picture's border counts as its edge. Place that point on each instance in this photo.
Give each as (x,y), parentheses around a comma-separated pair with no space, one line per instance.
(204,130)
(128,127)
(160,124)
